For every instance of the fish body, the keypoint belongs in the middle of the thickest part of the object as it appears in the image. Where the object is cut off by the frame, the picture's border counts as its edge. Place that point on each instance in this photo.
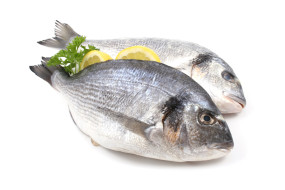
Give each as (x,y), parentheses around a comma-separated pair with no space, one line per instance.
(143,108)
(201,64)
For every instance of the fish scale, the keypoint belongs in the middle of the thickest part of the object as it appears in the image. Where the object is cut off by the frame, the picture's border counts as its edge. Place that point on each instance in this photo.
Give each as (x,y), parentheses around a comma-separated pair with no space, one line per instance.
(110,99)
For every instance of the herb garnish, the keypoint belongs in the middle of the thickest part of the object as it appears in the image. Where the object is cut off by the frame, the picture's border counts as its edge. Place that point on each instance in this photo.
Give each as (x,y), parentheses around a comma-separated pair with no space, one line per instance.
(71,57)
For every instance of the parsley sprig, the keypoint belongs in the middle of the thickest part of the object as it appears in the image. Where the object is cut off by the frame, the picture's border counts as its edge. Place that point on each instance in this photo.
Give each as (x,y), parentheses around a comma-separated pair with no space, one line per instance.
(71,57)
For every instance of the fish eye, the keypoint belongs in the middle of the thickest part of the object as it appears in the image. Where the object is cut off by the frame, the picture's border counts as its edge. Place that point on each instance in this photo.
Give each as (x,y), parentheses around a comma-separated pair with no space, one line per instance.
(207,119)
(228,76)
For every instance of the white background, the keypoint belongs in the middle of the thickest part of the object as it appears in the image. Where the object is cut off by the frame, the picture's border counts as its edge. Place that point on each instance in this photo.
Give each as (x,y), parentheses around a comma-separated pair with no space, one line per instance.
(41,148)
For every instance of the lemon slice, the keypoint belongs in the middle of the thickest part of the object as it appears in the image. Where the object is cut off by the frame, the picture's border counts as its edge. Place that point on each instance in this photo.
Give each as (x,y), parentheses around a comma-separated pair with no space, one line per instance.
(92,57)
(138,52)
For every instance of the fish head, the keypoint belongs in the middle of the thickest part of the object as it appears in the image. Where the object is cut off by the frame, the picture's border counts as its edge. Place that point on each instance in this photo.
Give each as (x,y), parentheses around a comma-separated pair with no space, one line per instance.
(196,129)
(220,81)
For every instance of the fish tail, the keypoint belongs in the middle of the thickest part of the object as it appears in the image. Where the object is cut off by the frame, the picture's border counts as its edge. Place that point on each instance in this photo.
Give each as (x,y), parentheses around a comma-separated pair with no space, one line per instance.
(63,35)
(43,71)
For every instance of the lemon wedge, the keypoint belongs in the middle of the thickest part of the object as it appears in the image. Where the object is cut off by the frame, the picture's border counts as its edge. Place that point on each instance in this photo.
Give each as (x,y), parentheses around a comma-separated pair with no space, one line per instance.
(92,57)
(139,53)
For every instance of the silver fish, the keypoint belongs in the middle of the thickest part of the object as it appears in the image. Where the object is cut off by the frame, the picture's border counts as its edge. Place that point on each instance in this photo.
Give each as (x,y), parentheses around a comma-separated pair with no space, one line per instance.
(143,108)
(204,66)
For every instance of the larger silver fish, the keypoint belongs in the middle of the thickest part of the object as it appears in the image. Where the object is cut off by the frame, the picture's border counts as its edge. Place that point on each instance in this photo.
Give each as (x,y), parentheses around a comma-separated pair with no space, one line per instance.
(204,66)
(143,108)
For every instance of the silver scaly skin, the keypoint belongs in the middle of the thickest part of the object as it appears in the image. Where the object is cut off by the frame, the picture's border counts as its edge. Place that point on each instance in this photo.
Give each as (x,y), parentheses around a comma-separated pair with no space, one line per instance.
(204,66)
(143,108)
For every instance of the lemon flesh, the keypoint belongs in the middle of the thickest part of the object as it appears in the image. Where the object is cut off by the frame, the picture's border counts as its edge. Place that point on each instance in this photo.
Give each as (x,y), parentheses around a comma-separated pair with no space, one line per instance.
(139,53)
(92,57)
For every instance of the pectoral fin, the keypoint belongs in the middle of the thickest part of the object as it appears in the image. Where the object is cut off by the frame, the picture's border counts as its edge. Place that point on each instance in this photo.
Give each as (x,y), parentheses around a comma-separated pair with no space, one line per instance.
(131,124)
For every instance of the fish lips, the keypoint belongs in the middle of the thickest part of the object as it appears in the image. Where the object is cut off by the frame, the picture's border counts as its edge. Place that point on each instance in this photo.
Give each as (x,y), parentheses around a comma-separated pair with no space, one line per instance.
(224,147)
(240,100)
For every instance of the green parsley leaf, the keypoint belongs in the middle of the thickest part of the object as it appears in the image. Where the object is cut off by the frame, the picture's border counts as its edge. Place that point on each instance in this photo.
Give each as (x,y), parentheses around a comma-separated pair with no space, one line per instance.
(71,57)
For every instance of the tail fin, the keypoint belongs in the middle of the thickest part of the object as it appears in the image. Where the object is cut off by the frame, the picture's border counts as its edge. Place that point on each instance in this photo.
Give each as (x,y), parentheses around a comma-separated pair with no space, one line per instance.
(63,35)
(43,71)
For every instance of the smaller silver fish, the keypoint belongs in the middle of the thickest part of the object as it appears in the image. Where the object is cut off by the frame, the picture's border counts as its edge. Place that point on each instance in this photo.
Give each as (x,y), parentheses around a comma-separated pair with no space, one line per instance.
(143,108)
(201,64)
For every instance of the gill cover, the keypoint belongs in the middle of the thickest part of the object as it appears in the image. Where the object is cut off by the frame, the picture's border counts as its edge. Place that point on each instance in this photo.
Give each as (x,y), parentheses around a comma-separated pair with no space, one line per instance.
(172,120)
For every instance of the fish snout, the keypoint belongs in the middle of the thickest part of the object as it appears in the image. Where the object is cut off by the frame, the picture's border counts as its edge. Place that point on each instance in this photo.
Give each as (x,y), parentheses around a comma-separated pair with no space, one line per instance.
(225,141)
(236,99)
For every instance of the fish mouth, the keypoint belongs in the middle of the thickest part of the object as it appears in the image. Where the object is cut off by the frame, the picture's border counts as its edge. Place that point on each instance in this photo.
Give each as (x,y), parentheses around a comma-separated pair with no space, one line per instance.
(224,147)
(236,99)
